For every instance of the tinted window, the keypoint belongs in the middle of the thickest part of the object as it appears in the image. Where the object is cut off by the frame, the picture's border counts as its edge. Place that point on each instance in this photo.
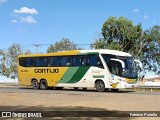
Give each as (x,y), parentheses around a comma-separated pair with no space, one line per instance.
(78,60)
(91,60)
(99,62)
(69,61)
(115,68)
(23,62)
(75,61)
(53,61)
(82,60)
(50,61)
(41,61)
(63,61)
(87,60)
(31,62)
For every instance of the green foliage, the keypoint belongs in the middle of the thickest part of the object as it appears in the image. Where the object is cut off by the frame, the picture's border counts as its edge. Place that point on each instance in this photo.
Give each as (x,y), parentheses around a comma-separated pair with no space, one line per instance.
(13,52)
(151,50)
(62,45)
(4,70)
(121,34)
(9,59)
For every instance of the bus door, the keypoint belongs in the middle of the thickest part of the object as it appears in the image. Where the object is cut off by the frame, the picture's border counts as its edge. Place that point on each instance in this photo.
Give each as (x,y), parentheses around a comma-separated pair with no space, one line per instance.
(116,68)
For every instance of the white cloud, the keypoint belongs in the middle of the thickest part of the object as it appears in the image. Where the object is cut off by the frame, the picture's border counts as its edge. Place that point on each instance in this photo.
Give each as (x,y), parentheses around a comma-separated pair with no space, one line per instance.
(14,21)
(28,19)
(135,10)
(26,10)
(3,1)
(146,17)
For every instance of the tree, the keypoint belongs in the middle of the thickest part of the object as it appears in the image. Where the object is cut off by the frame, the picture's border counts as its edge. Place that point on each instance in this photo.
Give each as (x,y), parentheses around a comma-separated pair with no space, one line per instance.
(121,34)
(3,66)
(151,50)
(13,52)
(9,59)
(63,45)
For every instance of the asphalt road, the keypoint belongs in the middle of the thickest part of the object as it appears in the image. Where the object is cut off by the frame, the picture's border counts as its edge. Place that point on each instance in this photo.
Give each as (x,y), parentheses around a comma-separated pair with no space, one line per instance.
(16,89)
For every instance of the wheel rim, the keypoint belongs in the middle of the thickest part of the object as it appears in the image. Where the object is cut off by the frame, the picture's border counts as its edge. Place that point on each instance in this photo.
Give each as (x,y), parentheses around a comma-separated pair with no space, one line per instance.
(43,85)
(35,84)
(100,86)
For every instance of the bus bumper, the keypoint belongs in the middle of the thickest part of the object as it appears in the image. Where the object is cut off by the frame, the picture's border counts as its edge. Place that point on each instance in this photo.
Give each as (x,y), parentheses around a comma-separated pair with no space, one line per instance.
(125,85)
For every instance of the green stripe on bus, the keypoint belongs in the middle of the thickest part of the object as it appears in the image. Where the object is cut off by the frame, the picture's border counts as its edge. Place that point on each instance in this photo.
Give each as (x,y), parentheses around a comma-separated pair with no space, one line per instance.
(69,74)
(98,76)
(79,74)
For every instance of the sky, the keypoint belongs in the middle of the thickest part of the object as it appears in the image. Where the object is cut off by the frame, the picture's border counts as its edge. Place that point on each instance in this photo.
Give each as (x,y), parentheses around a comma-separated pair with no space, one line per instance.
(30,22)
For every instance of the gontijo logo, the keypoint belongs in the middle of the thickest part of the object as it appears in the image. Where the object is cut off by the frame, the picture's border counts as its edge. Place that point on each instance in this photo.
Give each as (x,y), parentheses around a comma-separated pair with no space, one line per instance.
(46,70)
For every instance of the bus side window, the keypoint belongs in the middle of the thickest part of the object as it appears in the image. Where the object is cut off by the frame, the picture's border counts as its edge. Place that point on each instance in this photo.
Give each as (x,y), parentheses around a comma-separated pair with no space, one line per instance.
(63,61)
(49,61)
(99,62)
(41,61)
(92,60)
(32,62)
(79,60)
(82,60)
(23,62)
(88,61)
(116,68)
(75,61)
(55,61)
(45,61)
(69,61)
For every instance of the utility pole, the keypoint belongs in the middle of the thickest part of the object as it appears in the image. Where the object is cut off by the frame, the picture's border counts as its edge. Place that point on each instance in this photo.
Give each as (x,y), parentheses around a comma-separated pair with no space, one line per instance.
(36,45)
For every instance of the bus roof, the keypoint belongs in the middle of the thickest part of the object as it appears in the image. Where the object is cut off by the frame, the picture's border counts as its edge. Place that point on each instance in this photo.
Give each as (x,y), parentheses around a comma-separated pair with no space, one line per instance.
(78,52)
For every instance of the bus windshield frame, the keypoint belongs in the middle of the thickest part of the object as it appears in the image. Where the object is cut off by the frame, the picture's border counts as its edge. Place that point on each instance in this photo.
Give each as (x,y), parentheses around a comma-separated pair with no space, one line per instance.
(116,68)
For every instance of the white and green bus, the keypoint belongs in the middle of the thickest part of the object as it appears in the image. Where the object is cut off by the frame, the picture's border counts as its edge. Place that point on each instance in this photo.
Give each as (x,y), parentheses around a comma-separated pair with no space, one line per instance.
(100,69)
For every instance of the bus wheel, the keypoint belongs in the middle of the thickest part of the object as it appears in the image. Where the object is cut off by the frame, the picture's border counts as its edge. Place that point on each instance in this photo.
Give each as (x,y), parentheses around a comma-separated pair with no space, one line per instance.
(100,86)
(114,90)
(43,84)
(35,84)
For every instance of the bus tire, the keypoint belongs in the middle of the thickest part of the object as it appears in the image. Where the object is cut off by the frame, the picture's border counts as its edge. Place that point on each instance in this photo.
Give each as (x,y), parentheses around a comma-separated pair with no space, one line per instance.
(100,86)
(43,85)
(35,84)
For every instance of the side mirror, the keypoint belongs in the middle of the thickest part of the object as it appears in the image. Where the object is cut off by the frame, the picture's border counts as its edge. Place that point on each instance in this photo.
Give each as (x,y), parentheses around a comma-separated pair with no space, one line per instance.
(141,70)
(124,71)
(139,63)
(120,61)
(117,66)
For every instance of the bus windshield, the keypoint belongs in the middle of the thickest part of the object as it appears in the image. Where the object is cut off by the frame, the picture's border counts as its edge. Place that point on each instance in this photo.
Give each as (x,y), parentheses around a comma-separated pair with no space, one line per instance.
(116,68)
